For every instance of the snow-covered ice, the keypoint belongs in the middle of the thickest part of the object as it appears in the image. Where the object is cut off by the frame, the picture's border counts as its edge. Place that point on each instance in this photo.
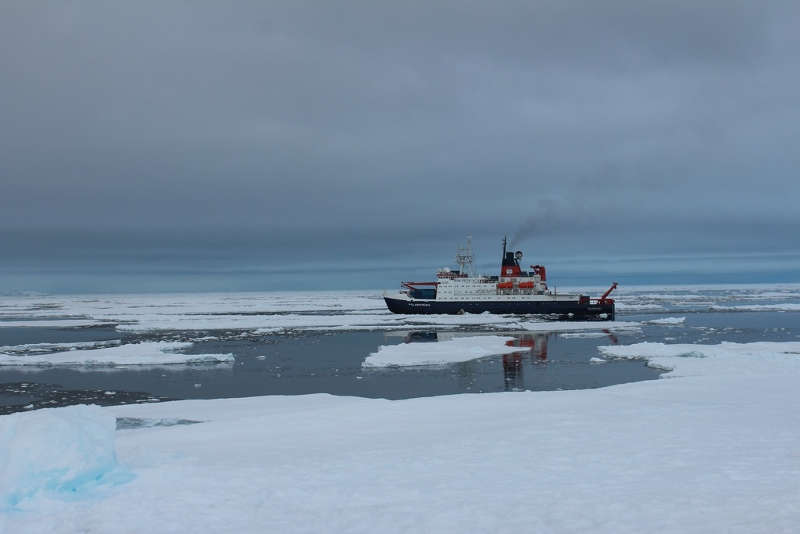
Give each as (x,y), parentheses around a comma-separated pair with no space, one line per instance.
(147,353)
(62,452)
(668,320)
(53,323)
(460,349)
(722,358)
(625,306)
(566,326)
(788,307)
(32,348)
(569,335)
(714,451)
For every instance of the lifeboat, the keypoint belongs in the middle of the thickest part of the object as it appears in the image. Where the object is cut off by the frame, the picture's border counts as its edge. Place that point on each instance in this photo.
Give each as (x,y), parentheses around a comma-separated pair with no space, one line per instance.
(526,285)
(505,285)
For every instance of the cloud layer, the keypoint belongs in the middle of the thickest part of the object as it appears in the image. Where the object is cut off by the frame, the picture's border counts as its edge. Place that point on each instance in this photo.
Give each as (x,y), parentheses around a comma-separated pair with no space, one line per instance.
(403,119)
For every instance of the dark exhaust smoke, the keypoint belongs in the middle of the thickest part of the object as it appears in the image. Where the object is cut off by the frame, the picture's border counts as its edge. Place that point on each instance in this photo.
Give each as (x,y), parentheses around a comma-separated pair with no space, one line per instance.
(542,220)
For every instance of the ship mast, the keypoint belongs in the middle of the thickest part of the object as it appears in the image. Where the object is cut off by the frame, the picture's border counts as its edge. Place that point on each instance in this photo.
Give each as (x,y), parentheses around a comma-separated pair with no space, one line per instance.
(464,258)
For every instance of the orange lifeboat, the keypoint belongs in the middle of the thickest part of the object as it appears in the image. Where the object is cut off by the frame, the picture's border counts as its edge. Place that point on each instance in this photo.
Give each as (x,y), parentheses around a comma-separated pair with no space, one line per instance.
(505,285)
(526,285)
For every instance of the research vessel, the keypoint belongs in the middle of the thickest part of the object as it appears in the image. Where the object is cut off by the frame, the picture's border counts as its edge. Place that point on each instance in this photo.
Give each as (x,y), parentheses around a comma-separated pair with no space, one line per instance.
(513,291)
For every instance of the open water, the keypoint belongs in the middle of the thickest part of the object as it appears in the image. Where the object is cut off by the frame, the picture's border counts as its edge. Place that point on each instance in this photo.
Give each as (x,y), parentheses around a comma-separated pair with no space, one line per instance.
(307,358)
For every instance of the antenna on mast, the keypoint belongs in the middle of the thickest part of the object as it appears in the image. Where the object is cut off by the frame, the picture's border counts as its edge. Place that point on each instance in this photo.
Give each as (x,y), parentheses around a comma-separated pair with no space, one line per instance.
(464,257)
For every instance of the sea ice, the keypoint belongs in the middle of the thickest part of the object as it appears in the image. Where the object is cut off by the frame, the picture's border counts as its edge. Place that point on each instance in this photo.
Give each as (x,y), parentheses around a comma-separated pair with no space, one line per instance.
(569,335)
(53,323)
(146,353)
(283,312)
(788,307)
(611,460)
(33,348)
(723,358)
(460,349)
(625,306)
(667,320)
(60,451)
(563,326)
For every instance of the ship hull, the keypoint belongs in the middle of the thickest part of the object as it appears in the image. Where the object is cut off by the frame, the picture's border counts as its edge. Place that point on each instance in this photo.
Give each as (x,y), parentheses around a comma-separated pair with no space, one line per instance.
(577,310)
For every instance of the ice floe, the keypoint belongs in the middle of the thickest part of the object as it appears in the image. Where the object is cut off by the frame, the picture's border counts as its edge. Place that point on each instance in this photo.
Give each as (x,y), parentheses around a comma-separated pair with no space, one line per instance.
(787,307)
(565,326)
(569,335)
(53,323)
(667,320)
(146,353)
(722,358)
(625,306)
(34,348)
(460,349)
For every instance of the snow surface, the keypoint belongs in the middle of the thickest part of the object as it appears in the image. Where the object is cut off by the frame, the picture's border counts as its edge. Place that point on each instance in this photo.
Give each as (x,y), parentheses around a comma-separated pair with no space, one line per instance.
(712,452)
(52,323)
(29,348)
(569,335)
(564,326)
(148,353)
(788,307)
(460,349)
(723,358)
(59,451)
(667,320)
(625,306)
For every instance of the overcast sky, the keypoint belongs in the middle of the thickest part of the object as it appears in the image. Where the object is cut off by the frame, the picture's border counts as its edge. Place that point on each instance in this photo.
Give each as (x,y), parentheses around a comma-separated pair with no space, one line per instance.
(671,124)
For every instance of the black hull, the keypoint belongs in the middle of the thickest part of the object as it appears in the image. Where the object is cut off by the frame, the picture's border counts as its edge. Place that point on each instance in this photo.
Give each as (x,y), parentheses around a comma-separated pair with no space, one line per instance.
(574,310)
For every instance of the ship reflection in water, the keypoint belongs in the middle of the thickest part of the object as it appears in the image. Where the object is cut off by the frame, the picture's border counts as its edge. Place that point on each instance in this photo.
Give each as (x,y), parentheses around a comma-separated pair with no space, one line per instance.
(533,348)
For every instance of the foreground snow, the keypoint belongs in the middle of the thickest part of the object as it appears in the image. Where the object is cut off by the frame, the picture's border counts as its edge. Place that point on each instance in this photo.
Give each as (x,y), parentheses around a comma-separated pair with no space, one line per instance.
(713,450)
(460,349)
(61,451)
(148,353)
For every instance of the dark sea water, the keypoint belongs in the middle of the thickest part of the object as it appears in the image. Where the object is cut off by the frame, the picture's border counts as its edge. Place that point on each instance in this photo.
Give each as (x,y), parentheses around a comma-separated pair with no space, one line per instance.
(330,363)
(293,362)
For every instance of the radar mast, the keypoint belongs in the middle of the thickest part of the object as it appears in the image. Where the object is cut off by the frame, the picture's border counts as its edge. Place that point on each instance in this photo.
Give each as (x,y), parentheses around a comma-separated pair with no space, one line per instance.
(464,258)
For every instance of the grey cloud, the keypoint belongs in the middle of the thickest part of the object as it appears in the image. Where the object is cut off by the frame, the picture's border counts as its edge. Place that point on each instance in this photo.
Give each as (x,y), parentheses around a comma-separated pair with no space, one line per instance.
(406,118)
